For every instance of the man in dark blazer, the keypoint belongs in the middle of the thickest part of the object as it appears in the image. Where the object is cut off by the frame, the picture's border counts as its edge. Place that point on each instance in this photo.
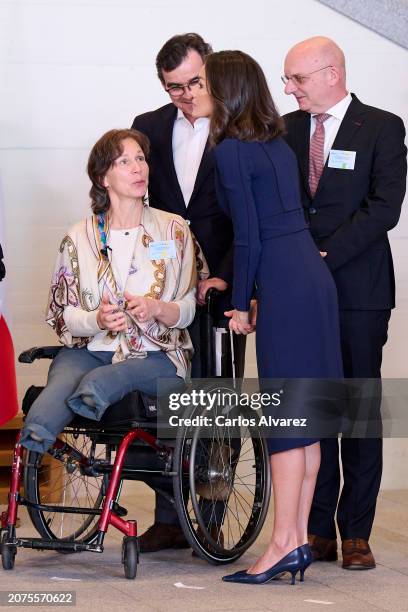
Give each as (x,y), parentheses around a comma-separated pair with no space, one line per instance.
(182,182)
(178,64)
(351,204)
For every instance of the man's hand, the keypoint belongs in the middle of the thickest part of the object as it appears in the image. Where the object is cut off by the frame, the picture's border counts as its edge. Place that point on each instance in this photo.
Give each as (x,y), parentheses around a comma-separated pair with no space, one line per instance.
(142,308)
(210,283)
(239,322)
(323,253)
(253,312)
(109,317)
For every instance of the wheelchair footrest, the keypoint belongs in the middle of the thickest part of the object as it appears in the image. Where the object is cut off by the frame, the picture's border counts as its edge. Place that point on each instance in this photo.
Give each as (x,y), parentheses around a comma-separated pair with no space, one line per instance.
(41,544)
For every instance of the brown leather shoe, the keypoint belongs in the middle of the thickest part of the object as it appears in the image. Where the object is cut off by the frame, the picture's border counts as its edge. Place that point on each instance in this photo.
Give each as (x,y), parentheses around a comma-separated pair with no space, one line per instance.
(323,549)
(357,554)
(216,535)
(161,536)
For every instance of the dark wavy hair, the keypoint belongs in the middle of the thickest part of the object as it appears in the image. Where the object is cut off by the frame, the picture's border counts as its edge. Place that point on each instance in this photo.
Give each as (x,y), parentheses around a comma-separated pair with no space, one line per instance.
(243,105)
(108,148)
(175,50)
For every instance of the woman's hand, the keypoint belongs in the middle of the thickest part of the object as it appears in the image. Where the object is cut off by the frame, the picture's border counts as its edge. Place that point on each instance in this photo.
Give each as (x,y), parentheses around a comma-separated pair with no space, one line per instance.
(239,322)
(142,308)
(109,317)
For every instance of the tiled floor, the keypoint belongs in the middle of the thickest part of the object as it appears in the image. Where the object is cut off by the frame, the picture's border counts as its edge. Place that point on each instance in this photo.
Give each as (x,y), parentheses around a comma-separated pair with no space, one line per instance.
(173,580)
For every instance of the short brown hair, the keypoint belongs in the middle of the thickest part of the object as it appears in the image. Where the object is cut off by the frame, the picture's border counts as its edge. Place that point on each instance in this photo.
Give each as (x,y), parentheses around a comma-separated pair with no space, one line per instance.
(175,50)
(243,105)
(108,148)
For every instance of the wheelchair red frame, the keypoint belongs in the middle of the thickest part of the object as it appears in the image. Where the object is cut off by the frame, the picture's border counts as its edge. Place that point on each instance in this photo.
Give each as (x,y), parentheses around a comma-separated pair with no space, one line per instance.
(184,468)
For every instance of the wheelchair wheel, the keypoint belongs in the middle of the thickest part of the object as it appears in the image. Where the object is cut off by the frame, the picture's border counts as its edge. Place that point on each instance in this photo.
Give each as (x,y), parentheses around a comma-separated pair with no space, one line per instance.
(57,480)
(130,556)
(8,553)
(221,489)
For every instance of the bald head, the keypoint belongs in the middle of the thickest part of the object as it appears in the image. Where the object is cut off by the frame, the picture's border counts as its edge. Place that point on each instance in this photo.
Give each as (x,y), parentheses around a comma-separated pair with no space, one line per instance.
(319,50)
(317,73)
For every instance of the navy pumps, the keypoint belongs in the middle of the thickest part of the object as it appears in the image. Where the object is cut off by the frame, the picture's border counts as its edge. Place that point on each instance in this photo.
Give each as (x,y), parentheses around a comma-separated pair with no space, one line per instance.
(307,559)
(293,562)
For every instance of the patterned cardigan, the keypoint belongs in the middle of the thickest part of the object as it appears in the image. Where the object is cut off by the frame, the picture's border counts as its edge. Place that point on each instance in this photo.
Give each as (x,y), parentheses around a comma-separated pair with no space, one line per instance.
(83,274)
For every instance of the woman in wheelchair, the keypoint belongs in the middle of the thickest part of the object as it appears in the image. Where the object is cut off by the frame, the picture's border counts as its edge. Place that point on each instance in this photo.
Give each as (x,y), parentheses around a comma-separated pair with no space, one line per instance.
(121,297)
(122,294)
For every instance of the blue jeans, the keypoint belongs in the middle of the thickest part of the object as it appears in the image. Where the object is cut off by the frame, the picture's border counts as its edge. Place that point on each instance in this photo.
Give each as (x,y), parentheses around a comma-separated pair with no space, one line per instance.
(86,383)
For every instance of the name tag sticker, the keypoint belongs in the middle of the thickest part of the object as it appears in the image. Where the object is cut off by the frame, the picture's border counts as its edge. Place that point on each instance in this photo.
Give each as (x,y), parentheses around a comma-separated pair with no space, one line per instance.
(344,160)
(162,249)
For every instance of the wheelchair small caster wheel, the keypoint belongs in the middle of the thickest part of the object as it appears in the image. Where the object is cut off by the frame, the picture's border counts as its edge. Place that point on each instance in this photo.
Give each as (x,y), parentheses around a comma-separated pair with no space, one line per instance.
(130,556)
(8,553)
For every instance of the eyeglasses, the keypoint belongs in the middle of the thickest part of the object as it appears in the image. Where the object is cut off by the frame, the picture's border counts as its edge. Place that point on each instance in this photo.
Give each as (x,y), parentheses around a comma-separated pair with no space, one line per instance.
(178,89)
(299,79)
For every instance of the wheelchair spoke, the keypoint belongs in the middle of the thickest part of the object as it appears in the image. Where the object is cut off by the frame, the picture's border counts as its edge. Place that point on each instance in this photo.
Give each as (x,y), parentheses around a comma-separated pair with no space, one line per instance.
(226,470)
(61,481)
(238,501)
(220,466)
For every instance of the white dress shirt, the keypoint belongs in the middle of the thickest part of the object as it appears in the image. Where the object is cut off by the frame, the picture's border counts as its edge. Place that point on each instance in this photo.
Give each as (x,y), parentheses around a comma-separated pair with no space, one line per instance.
(332,124)
(188,147)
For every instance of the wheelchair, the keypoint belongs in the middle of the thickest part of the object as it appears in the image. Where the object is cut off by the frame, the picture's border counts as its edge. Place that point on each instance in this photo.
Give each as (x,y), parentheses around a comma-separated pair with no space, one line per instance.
(221,481)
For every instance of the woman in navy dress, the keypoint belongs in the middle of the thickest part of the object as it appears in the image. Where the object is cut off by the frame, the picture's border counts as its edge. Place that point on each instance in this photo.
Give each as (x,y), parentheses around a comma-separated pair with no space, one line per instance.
(297,315)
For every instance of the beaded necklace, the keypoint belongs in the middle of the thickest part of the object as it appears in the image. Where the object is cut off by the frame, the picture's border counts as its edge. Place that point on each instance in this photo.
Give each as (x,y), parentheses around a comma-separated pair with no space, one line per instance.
(102,227)
(102,234)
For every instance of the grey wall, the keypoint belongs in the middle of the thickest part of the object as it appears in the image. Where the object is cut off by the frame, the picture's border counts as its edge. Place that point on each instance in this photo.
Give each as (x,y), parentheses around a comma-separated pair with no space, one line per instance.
(387,17)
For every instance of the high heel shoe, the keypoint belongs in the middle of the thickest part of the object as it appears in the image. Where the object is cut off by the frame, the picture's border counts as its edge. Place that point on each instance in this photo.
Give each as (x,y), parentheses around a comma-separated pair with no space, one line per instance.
(293,562)
(306,552)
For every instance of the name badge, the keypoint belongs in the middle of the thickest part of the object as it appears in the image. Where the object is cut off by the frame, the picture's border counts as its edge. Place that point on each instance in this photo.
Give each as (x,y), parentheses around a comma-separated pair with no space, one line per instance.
(344,160)
(162,249)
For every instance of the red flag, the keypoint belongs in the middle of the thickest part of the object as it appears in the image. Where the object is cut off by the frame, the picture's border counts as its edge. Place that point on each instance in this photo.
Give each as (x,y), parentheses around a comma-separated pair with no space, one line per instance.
(8,385)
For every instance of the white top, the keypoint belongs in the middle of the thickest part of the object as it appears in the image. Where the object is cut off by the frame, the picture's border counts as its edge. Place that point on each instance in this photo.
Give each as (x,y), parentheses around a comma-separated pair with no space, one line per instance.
(122,245)
(332,124)
(188,147)
(124,265)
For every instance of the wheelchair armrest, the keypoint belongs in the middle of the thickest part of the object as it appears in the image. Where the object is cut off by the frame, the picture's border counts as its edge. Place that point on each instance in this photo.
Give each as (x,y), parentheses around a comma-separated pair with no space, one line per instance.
(38,352)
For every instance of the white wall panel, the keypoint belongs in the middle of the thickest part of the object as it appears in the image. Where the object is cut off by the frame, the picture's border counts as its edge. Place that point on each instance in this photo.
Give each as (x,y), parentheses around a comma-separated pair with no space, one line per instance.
(70,70)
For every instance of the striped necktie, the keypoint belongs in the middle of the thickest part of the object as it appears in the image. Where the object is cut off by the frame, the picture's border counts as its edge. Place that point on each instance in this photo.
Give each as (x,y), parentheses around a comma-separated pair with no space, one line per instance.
(316,153)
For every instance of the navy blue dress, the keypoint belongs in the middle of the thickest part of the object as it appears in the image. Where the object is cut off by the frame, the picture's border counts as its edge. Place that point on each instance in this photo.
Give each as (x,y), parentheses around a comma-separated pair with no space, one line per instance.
(297,334)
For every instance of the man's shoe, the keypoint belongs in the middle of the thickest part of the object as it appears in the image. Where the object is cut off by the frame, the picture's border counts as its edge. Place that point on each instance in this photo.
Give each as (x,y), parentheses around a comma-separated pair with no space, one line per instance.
(216,535)
(161,536)
(357,554)
(323,549)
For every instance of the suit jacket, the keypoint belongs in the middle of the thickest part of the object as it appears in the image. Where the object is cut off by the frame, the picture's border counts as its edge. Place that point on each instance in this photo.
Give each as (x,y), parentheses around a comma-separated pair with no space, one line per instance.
(211,227)
(353,210)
